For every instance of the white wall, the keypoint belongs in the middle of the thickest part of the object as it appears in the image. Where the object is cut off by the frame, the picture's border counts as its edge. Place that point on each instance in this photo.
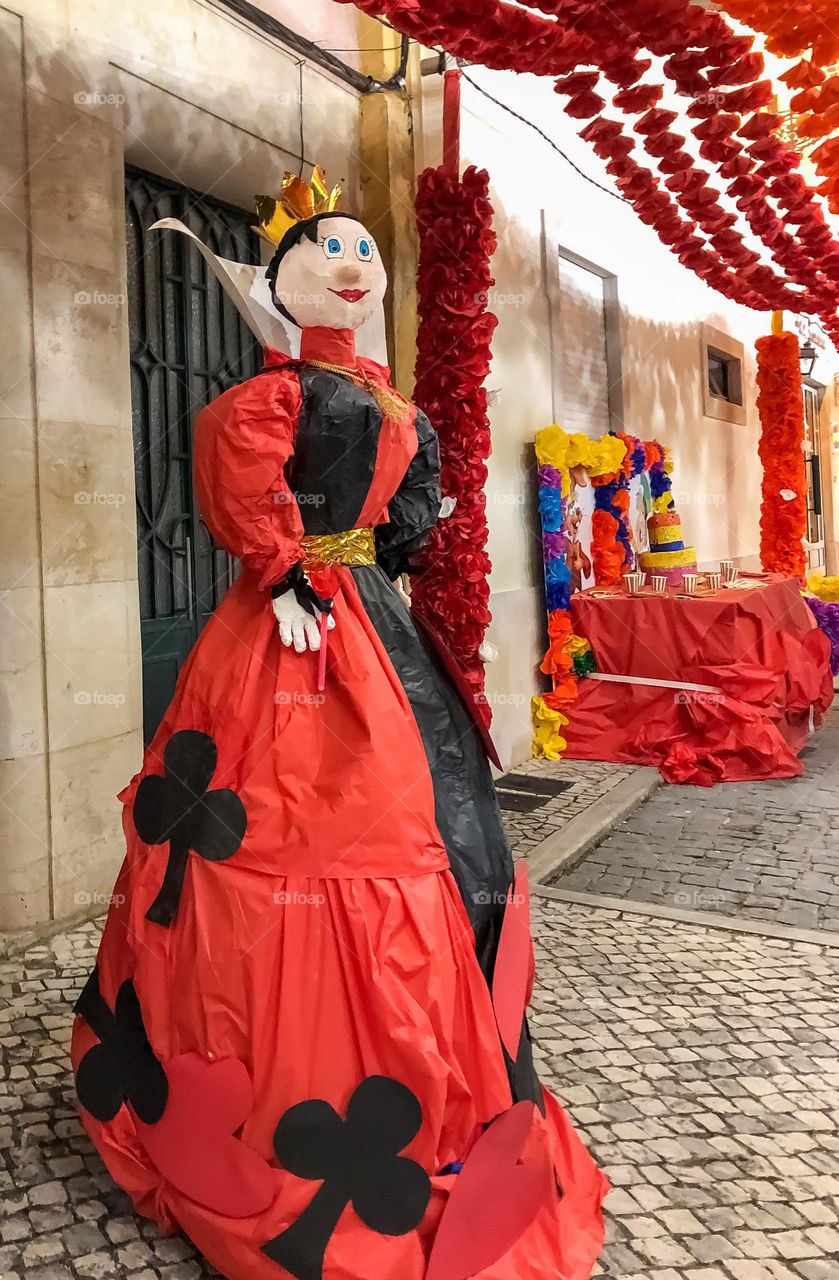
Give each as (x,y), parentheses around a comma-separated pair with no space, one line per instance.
(717,473)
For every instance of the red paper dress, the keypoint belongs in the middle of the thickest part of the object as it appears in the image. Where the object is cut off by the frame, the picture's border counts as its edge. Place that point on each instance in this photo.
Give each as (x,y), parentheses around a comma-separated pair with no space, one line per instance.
(294,1058)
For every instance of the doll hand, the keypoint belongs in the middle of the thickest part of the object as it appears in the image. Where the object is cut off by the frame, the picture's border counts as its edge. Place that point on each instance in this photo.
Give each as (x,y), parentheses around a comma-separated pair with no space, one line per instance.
(297,625)
(399,588)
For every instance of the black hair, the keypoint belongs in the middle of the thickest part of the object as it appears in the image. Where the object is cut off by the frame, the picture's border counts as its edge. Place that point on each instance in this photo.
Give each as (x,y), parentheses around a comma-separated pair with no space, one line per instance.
(307,228)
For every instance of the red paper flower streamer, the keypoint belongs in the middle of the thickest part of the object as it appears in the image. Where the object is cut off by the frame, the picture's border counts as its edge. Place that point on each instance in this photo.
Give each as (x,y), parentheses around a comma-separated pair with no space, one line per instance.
(783,510)
(453,353)
(588,46)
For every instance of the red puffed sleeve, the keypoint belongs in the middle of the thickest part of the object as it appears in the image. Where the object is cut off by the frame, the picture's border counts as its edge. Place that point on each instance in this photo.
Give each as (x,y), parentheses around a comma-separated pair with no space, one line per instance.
(243,441)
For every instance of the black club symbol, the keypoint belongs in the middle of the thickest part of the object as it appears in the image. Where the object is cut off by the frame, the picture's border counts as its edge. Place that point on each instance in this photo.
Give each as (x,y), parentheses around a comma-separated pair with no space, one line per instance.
(123,1067)
(358,1161)
(176,806)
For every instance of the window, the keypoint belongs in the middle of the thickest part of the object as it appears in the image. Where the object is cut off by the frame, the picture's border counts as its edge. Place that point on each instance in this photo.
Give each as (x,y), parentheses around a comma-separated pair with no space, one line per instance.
(722,376)
(585,338)
(725,377)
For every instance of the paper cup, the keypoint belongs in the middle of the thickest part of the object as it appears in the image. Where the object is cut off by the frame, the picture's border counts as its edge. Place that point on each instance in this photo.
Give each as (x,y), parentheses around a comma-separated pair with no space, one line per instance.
(712,580)
(733,574)
(726,570)
(634,582)
(659,582)
(689,581)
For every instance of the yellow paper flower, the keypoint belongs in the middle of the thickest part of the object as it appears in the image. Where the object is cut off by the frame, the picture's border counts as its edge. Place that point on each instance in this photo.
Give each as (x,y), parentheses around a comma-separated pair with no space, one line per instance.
(825,588)
(562,451)
(576,645)
(548,743)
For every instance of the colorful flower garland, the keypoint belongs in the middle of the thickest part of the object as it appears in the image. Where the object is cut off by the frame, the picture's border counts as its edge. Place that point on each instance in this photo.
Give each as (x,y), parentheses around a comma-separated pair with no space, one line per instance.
(568,656)
(453,352)
(610,463)
(720,72)
(780,403)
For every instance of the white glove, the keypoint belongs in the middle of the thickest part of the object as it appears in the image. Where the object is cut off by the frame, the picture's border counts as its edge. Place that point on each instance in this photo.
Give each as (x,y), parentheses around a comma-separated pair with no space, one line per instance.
(298,627)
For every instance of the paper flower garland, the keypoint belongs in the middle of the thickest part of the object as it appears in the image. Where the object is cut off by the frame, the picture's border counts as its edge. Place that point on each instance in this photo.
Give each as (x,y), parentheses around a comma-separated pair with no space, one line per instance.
(793,30)
(568,656)
(780,403)
(453,351)
(598,53)
(610,463)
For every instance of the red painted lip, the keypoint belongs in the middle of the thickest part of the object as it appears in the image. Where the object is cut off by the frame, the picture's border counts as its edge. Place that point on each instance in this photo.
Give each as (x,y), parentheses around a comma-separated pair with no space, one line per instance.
(350,295)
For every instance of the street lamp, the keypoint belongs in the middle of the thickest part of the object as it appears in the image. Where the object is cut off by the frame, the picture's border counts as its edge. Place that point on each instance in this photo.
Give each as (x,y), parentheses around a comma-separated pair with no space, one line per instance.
(807,357)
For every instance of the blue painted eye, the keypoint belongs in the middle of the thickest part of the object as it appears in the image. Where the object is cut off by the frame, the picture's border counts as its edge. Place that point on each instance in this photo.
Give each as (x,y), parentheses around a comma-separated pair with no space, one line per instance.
(363,249)
(333,247)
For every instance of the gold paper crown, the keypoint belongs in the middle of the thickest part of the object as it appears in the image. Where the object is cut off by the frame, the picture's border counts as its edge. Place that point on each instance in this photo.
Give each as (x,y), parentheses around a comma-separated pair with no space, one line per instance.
(297,200)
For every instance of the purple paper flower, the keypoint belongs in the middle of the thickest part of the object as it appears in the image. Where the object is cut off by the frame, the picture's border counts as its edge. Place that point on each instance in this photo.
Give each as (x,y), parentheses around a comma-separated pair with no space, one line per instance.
(827,617)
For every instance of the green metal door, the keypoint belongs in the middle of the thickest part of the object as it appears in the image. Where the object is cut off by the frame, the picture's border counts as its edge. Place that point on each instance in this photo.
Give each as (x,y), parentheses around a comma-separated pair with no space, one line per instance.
(188,344)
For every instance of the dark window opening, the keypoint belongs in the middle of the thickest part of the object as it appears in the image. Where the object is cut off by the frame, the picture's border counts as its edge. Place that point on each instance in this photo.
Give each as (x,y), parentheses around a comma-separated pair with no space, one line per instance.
(725,376)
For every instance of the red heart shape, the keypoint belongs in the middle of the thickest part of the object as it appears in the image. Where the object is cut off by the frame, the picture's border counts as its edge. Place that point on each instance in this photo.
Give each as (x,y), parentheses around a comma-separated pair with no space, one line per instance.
(192,1145)
(515,966)
(494,1199)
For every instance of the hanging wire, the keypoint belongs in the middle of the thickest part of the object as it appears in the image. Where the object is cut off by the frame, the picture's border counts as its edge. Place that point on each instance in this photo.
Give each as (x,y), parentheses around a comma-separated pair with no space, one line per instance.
(524,120)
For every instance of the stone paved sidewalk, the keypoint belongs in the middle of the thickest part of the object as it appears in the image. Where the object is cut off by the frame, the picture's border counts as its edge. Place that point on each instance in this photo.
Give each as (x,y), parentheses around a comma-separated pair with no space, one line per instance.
(763,851)
(589,781)
(700,1066)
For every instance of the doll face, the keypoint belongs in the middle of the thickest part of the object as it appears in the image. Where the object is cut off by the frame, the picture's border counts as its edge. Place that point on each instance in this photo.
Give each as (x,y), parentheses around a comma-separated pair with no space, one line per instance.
(337,281)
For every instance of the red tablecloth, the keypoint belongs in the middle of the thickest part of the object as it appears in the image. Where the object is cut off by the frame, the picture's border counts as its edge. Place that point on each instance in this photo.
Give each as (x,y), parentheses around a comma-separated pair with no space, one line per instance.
(758,652)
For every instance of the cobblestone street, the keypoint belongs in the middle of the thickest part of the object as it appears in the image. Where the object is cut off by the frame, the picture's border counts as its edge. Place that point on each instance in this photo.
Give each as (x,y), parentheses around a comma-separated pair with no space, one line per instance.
(762,851)
(584,784)
(700,1066)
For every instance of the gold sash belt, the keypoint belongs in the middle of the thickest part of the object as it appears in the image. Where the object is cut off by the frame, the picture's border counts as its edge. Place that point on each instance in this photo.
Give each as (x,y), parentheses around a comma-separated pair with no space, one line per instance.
(355,546)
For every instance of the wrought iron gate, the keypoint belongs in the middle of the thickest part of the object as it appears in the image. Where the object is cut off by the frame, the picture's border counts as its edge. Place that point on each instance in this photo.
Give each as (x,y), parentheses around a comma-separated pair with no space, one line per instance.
(188,344)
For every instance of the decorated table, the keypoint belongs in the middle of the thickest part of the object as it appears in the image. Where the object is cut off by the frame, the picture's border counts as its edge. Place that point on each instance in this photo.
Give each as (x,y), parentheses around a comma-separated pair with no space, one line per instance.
(725,685)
